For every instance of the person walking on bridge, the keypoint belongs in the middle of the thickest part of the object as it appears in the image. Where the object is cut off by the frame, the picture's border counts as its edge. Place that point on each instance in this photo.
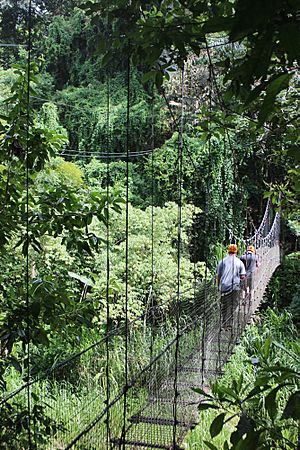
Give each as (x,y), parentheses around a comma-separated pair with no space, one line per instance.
(251,262)
(230,272)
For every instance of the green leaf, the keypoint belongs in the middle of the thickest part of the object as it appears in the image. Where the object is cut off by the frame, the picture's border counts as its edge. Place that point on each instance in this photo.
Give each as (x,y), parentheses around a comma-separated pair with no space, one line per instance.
(149,76)
(289,36)
(81,278)
(159,79)
(35,396)
(35,309)
(217,425)
(228,392)
(226,446)
(277,85)
(240,383)
(210,445)
(266,347)
(250,442)
(201,391)
(205,406)
(15,363)
(270,402)
(277,344)
(292,408)
(256,390)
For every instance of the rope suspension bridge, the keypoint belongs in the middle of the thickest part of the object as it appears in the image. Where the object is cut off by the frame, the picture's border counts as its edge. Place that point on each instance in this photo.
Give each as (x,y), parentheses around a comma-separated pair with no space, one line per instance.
(156,406)
(172,348)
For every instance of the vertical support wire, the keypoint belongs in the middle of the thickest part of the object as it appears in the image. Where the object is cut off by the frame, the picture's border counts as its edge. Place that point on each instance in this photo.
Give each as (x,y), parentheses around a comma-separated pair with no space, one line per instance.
(151,317)
(107,264)
(29,29)
(220,361)
(180,160)
(152,215)
(126,248)
(188,93)
(206,318)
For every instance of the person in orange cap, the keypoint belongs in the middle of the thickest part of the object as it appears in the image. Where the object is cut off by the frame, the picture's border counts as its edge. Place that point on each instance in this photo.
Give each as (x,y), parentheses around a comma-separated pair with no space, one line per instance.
(230,272)
(251,262)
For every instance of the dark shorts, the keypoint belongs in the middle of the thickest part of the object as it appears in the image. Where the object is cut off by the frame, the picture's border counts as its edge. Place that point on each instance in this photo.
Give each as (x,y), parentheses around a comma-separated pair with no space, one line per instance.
(229,304)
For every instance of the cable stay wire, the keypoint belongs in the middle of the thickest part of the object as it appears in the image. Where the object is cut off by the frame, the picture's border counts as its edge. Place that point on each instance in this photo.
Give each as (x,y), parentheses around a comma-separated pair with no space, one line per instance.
(107,293)
(27,300)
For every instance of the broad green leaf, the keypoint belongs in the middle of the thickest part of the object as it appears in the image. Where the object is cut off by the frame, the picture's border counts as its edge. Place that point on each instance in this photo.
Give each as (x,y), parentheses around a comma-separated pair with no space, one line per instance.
(250,442)
(81,278)
(217,425)
(277,85)
(159,79)
(292,408)
(266,347)
(270,401)
(256,390)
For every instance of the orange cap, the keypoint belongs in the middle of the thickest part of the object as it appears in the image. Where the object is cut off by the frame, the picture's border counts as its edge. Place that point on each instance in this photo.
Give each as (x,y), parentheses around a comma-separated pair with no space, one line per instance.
(232,248)
(251,248)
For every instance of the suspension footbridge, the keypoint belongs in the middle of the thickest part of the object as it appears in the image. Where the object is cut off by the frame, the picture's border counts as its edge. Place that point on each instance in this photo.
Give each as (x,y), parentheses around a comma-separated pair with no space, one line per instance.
(154,404)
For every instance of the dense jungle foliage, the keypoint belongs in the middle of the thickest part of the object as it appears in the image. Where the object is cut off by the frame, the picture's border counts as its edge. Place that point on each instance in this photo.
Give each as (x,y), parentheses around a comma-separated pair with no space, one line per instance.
(106,78)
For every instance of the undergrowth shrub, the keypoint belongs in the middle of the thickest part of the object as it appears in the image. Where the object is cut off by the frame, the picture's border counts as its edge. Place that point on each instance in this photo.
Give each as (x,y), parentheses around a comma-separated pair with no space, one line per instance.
(254,405)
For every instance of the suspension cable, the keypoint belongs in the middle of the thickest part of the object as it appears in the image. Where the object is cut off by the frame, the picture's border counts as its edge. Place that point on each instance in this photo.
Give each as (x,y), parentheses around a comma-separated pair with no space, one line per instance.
(29,29)
(179,237)
(206,233)
(128,76)
(107,265)
(152,217)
